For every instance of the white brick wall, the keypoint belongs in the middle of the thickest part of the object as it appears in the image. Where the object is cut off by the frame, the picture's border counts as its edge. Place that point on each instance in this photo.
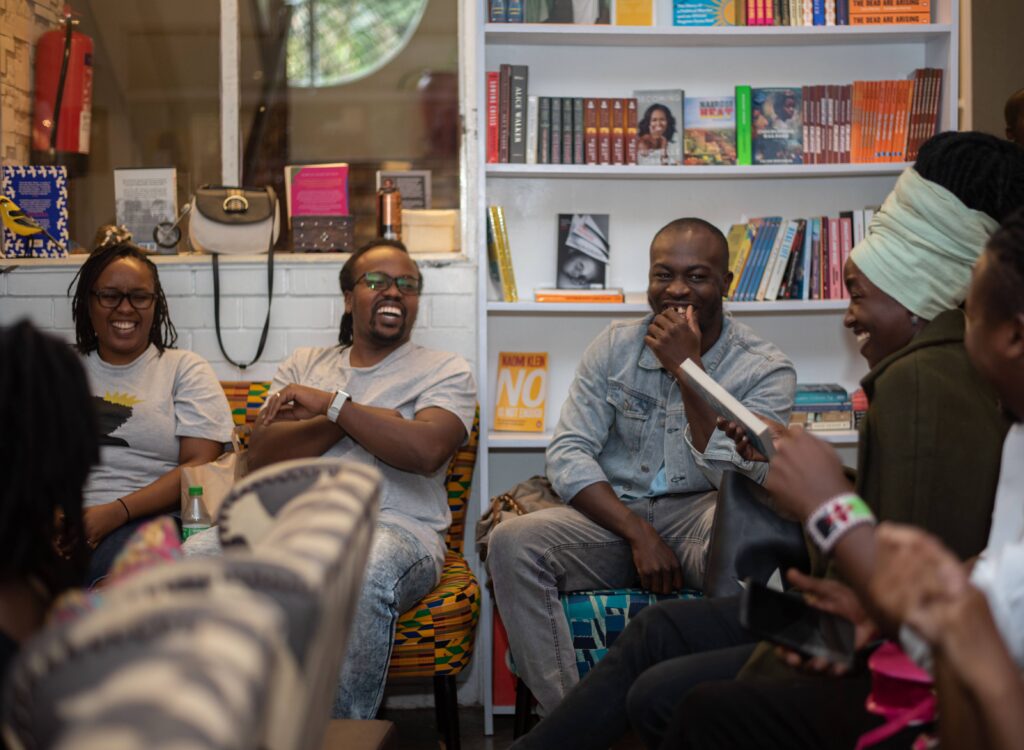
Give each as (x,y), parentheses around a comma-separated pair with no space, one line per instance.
(306,311)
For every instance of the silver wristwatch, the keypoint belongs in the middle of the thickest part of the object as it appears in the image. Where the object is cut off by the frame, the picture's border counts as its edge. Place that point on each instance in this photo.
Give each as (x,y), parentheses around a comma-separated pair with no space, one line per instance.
(340,397)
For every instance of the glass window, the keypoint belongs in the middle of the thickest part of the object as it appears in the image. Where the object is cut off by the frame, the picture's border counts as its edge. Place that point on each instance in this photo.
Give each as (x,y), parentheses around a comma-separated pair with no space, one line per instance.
(373,83)
(156,100)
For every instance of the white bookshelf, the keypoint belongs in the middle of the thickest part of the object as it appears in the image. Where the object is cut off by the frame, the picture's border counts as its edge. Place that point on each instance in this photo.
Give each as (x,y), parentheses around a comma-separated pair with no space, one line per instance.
(609,61)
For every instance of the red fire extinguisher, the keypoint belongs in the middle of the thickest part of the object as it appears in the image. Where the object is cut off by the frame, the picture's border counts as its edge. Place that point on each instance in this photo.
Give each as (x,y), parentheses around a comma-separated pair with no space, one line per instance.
(62,115)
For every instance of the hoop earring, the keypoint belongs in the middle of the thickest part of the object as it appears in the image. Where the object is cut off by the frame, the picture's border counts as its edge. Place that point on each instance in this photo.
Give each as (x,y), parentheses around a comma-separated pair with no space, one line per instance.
(915,321)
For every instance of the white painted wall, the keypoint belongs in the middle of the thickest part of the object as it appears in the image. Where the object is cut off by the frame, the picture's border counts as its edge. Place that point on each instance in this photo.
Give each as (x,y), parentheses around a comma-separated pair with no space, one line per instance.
(306,310)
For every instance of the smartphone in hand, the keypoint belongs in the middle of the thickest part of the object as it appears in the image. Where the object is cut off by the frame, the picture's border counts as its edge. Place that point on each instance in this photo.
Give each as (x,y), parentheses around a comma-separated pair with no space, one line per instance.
(787,620)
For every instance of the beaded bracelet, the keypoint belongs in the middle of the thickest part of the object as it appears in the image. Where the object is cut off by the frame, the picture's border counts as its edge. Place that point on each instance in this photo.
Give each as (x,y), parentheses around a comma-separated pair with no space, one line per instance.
(834,518)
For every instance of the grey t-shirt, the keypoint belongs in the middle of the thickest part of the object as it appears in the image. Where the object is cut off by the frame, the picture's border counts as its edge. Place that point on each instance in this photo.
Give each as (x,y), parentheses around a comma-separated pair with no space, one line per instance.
(142,409)
(409,380)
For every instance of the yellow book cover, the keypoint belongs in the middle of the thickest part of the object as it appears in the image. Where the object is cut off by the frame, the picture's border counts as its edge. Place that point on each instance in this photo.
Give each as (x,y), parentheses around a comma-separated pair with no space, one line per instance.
(503,253)
(634,12)
(740,238)
(521,392)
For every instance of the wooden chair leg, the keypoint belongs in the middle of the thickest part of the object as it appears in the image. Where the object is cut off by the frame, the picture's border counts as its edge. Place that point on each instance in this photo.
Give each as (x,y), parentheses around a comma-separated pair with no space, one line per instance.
(446,706)
(524,704)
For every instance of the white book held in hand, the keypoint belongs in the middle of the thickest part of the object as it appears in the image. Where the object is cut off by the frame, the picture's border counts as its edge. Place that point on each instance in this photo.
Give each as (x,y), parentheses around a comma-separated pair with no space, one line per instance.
(728,406)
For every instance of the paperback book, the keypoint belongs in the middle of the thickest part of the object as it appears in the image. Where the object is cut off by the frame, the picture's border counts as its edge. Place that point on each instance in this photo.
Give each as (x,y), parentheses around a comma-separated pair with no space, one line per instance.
(583,251)
(710,130)
(559,11)
(144,198)
(40,197)
(704,12)
(660,127)
(522,391)
(777,126)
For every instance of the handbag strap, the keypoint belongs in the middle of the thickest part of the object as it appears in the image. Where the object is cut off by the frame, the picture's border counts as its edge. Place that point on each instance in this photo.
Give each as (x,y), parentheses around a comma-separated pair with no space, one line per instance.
(270,294)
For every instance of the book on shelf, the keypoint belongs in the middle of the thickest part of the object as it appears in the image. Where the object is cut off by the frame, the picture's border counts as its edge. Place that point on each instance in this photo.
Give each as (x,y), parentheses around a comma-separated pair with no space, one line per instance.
(504,110)
(776,125)
(552,11)
(583,251)
(493,109)
(634,12)
(41,193)
(318,210)
(710,130)
(822,421)
(660,127)
(144,198)
(820,394)
(611,295)
(743,126)
(499,254)
(517,115)
(704,12)
(532,127)
(521,391)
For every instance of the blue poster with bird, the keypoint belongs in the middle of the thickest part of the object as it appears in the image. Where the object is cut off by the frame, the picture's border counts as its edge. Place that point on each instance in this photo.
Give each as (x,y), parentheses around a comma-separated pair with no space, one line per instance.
(34,211)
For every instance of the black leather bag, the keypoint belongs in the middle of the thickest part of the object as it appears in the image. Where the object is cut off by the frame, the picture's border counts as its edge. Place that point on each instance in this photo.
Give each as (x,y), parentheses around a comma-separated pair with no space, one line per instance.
(749,539)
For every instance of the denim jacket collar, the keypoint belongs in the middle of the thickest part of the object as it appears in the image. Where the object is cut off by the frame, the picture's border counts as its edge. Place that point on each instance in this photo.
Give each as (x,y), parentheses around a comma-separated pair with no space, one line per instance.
(711,358)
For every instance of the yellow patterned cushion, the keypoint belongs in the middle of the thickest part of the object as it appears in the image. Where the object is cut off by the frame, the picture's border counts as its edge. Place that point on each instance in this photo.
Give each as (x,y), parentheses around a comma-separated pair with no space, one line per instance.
(436,636)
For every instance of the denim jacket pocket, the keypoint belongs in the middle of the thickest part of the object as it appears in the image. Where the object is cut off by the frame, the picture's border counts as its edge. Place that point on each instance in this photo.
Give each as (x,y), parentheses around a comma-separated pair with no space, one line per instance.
(632,412)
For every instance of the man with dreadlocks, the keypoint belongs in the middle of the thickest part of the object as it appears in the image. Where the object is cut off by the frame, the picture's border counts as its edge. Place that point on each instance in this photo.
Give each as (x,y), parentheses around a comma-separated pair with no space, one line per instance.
(380,399)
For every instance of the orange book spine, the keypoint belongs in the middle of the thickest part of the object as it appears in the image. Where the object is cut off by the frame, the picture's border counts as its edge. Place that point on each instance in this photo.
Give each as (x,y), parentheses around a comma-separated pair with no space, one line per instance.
(618,132)
(630,131)
(590,131)
(879,19)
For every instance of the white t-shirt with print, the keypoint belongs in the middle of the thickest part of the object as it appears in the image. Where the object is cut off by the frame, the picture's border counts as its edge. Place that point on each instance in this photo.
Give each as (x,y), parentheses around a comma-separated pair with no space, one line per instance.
(143,409)
(408,380)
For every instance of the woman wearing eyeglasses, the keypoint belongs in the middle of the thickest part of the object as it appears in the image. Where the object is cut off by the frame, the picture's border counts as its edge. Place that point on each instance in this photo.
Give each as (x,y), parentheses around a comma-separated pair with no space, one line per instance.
(157,408)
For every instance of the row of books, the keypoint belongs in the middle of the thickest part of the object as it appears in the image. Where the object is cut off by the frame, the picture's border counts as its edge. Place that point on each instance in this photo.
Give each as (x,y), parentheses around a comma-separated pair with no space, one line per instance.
(715,12)
(772,258)
(826,407)
(823,12)
(863,122)
(870,121)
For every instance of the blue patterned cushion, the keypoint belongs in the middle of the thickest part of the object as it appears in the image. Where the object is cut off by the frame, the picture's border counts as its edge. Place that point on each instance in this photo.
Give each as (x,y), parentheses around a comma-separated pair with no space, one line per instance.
(597,617)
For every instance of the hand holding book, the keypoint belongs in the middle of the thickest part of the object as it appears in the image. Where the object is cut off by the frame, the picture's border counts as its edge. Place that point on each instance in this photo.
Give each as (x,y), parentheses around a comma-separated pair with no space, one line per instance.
(735,432)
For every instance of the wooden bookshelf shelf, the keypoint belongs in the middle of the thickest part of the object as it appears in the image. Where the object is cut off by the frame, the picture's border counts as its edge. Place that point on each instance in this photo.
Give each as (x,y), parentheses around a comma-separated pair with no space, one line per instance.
(563,35)
(634,172)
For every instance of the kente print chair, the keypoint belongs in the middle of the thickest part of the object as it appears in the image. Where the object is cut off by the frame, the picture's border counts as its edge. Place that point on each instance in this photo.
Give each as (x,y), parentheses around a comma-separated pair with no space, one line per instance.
(748,540)
(435,637)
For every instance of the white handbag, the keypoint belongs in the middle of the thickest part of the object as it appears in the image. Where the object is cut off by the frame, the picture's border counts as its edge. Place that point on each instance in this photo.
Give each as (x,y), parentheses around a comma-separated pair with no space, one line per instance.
(236,221)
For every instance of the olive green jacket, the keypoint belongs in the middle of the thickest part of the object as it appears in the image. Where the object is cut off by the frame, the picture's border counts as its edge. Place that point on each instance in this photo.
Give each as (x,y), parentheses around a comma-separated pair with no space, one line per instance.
(929,447)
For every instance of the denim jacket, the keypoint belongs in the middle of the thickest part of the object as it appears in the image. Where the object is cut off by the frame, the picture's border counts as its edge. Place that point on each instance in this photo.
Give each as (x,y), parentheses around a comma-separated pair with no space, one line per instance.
(624,416)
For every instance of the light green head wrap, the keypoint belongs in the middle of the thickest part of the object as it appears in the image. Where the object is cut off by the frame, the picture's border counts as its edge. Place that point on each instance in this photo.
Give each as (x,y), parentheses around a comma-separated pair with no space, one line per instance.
(921,245)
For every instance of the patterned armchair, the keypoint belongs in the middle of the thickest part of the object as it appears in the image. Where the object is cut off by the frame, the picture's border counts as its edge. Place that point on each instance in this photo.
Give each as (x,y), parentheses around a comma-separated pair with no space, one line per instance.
(434,638)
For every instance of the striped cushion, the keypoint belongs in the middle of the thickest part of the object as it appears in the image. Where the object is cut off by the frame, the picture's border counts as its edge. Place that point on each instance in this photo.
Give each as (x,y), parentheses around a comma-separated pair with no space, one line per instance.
(436,636)
(245,398)
(596,618)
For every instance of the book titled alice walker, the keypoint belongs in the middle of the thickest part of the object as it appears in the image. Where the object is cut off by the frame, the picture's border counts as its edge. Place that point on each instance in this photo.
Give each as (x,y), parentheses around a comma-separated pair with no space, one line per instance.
(41,194)
(522,391)
(517,121)
(144,198)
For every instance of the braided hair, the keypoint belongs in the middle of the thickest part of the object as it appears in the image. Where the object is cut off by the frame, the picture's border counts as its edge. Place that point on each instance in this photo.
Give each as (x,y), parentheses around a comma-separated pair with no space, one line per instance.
(347,279)
(986,173)
(162,334)
(46,410)
(1006,248)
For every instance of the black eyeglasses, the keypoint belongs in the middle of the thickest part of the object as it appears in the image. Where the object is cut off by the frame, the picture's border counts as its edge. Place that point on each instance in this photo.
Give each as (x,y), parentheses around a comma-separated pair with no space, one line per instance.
(111,298)
(378,281)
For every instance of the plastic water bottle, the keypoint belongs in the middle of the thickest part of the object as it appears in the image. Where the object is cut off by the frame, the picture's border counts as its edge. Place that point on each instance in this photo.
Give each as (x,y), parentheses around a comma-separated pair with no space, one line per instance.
(196,519)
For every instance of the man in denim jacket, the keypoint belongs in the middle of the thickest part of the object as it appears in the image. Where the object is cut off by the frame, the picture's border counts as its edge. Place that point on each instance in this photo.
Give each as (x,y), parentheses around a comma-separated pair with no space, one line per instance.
(636,456)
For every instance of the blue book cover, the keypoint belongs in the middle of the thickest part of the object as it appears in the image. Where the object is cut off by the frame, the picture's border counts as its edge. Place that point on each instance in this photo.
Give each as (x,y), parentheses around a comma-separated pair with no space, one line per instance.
(748,268)
(499,14)
(761,262)
(818,12)
(764,242)
(514,11)
(777,123)
(702,13)
(42,194)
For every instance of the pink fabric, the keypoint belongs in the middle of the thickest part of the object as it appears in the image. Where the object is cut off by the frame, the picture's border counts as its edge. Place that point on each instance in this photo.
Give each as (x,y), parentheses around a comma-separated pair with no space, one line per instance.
(900,691)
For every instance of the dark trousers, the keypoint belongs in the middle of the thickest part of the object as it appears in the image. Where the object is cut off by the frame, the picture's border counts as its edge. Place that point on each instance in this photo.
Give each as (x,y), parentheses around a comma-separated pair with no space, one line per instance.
(665,651)
(800,712)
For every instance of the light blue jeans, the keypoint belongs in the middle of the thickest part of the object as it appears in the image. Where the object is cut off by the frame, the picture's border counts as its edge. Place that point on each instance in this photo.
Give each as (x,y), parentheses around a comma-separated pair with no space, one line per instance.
(399,572)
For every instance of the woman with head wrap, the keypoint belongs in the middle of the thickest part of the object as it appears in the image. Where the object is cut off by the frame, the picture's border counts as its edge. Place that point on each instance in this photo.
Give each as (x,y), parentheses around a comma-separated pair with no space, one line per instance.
(928,455)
